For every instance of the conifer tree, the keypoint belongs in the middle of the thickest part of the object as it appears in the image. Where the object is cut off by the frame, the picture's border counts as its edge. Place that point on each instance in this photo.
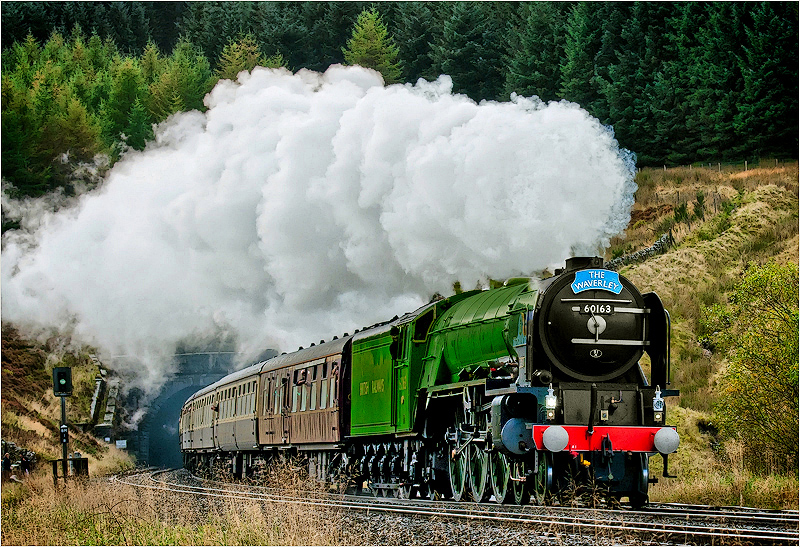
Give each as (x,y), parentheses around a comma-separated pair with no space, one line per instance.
(371,46)
(630,94)
(138,129)
(536,44)
(73,130)
(127,88)
(182,85)
(416,29)
(767,114)
(581,43)
(244,54)
(470,50)
(151,62)
(675,121)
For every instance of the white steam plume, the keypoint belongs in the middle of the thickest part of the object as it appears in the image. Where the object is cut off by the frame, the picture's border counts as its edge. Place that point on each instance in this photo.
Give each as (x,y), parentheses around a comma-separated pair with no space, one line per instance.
(300,206)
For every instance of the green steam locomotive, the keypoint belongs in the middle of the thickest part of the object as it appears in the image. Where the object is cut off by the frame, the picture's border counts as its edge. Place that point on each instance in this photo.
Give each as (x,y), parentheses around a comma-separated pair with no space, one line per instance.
(524,393)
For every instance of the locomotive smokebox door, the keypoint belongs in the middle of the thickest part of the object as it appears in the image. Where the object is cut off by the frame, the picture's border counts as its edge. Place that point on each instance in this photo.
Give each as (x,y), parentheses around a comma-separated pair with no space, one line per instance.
(593,323)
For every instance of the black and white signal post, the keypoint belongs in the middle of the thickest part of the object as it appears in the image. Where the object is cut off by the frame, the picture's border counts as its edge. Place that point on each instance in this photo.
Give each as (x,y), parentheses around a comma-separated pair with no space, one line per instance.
(62,387)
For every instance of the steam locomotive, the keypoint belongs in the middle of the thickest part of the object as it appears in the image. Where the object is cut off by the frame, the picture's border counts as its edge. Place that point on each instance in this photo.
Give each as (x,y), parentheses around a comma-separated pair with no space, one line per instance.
(526,393)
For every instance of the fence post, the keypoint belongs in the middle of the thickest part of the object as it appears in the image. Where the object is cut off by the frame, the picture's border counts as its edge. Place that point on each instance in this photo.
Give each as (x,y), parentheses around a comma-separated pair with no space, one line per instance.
(719,167)
(745,165)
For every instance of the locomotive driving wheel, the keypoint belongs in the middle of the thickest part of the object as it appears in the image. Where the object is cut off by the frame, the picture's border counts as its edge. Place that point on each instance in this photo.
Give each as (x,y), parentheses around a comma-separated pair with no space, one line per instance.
(639,498)
(458,457)
(519,485)
(479,464)
(542,478)
(499,473)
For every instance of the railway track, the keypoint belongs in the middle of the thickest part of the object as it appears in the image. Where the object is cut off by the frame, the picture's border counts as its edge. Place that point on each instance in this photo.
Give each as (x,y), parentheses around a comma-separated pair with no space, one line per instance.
(657,524)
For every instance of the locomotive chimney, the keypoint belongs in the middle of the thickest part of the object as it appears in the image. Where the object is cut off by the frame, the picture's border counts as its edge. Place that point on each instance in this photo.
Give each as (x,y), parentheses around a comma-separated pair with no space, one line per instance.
(581,262)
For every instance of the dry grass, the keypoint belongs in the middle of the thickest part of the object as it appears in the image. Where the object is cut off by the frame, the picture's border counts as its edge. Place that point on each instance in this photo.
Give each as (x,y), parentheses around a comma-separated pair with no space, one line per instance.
(723,481)
(102,513)
(713,473)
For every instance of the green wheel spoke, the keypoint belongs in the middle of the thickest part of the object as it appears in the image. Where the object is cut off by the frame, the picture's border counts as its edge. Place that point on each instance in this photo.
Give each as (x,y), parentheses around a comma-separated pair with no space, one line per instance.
(499,472)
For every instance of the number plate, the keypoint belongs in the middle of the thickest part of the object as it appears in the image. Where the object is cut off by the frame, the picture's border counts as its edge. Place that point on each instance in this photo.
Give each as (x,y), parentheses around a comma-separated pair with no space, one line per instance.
(594,309)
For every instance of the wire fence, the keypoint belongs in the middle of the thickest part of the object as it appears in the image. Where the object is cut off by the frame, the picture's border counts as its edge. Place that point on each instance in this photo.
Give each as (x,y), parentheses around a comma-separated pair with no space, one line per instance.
(728,166)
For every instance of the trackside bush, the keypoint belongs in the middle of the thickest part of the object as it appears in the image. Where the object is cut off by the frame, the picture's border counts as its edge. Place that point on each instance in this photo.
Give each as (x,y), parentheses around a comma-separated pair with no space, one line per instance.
(758,333)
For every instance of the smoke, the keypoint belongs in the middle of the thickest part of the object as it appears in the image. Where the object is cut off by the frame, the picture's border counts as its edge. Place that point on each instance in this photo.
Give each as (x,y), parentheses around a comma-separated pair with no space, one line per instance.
(301,206)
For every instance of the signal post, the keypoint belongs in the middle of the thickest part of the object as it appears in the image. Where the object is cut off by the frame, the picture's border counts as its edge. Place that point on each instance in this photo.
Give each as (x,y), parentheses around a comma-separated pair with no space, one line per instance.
(62,387)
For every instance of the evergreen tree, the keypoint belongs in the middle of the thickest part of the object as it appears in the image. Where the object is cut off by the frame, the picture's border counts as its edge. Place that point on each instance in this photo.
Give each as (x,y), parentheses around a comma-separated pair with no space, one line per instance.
(127,88)
(182,85)
(138,129)
(151,63)
(372,47)
(281,29)
(124,22)
(164,18)
(239,55)
(581,43)
(673,116)
(536,51)
(416,28)
(243,54)
(767,114)
(212,25)
(716,81)
(610,18)
(328,25)
(470,50)
(632,88)
(72,130)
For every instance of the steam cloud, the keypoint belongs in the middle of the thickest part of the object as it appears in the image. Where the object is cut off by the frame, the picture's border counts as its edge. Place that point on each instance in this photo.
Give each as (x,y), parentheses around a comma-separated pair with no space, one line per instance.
(301,206)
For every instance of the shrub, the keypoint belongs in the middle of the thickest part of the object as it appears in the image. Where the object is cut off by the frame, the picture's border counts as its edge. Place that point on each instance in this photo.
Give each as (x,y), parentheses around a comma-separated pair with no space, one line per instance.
(757,331)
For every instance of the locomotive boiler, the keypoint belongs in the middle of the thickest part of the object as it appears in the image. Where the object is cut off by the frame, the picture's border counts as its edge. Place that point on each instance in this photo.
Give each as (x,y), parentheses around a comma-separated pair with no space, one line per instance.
(524,393)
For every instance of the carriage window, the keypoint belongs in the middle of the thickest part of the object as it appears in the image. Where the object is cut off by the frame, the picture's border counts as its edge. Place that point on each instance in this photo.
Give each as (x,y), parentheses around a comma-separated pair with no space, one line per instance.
(278,397)
(325,370)
(313,396)
(304,397)
(323,403)
(315,371)
(333,392)
(295,396)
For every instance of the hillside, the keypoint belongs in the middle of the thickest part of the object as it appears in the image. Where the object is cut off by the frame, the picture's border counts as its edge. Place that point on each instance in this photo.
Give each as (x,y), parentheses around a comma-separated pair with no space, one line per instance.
(31,414)
(721,221)
(724,223)
(744,216)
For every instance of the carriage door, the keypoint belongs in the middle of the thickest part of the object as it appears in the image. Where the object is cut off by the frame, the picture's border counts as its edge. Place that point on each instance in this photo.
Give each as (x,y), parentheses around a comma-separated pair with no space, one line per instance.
(285,392)
(214,419)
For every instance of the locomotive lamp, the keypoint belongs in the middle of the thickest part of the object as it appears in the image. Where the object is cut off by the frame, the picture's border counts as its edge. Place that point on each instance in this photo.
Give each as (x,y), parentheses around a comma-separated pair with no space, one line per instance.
(658,406)
(550,402)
